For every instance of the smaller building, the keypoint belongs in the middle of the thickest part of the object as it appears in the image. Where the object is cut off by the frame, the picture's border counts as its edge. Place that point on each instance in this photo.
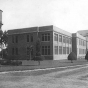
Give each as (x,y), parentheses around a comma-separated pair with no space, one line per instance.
(79,45)
(85,34)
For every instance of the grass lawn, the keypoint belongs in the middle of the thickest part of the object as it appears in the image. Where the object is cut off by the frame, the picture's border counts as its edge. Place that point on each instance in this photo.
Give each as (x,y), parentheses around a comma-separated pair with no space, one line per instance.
(43,64)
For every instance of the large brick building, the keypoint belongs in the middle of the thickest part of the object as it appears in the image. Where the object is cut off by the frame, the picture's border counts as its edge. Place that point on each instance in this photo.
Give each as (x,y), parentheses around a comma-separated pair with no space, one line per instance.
(56,43)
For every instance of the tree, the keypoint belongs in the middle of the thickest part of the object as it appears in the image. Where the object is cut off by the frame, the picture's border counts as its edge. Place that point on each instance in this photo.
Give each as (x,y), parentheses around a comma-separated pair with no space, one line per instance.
(5,54)
(1,33)
(38,45)
(3,40)
(86,56)
(38,56)
(72,57)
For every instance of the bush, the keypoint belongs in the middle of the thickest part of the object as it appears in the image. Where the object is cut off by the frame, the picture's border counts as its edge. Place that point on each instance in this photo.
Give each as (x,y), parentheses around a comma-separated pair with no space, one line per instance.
(16,62)
(10,62)
(86,56)
(72,56)
(5,62)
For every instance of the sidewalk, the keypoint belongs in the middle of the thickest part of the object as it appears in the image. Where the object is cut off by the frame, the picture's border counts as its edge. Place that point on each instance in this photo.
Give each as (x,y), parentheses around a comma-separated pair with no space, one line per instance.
(43,64)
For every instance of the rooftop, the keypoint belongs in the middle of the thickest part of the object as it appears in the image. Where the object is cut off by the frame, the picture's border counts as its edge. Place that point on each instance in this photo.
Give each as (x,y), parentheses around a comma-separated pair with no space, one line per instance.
(40,29)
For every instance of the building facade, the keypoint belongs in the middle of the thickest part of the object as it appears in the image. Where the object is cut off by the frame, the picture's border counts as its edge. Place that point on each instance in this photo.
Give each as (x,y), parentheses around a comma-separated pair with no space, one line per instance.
(79,45)
(85,34)
(56,43)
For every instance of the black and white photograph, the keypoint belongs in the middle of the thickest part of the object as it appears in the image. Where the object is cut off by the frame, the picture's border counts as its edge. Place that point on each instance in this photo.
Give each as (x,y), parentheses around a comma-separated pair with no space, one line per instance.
(43,43)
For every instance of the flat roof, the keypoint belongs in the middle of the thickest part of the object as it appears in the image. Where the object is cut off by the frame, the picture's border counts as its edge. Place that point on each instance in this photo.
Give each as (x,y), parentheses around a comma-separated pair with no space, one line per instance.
(61,31)
(78,36)
(22,30)
(39,29)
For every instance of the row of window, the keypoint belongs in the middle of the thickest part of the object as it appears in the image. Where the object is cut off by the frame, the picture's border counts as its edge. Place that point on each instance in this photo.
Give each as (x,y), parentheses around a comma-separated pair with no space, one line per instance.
(63,39)
(29,38)
(45,37)
(14,51)
(15,39)
(46,50)
(81,42)
(62,50)
(82,51)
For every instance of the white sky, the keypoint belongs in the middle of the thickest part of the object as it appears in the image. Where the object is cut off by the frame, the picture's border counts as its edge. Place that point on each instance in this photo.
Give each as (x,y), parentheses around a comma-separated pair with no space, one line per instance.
(69,15)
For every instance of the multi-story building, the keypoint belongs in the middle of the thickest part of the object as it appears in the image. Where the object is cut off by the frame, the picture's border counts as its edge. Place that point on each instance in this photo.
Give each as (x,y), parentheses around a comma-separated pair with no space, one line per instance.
(85,34)
(56,43)
(79,45)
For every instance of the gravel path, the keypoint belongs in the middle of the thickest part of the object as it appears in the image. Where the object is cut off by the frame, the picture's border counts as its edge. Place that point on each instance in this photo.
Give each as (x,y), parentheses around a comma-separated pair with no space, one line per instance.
(65,79)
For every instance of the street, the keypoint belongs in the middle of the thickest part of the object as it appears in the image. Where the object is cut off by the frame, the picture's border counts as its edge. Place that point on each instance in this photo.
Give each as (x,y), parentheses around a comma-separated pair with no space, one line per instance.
(69,78)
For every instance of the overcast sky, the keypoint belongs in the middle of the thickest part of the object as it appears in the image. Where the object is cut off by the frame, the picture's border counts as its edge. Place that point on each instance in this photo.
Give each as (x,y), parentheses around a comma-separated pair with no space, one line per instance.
(69,15)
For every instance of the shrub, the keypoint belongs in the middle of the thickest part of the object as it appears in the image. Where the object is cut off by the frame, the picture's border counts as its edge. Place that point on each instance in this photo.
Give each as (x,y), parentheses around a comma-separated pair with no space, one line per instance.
(86,56)
(10,62)
(72,57)
(16,62)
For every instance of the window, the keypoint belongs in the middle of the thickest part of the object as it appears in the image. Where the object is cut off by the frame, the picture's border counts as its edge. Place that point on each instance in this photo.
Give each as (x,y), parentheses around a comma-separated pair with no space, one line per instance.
(12,51)
(45,50)
(56,50)
(60,49)
(27,38)
(68,40)
(84,43)
(28,51)
(64,39)
(67,50)
(46,37)
(60,38)
(77,41)
(70,49)
(16,51)
(64,50)
(55,37)
(12,39)
(16,39)
(31,38)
